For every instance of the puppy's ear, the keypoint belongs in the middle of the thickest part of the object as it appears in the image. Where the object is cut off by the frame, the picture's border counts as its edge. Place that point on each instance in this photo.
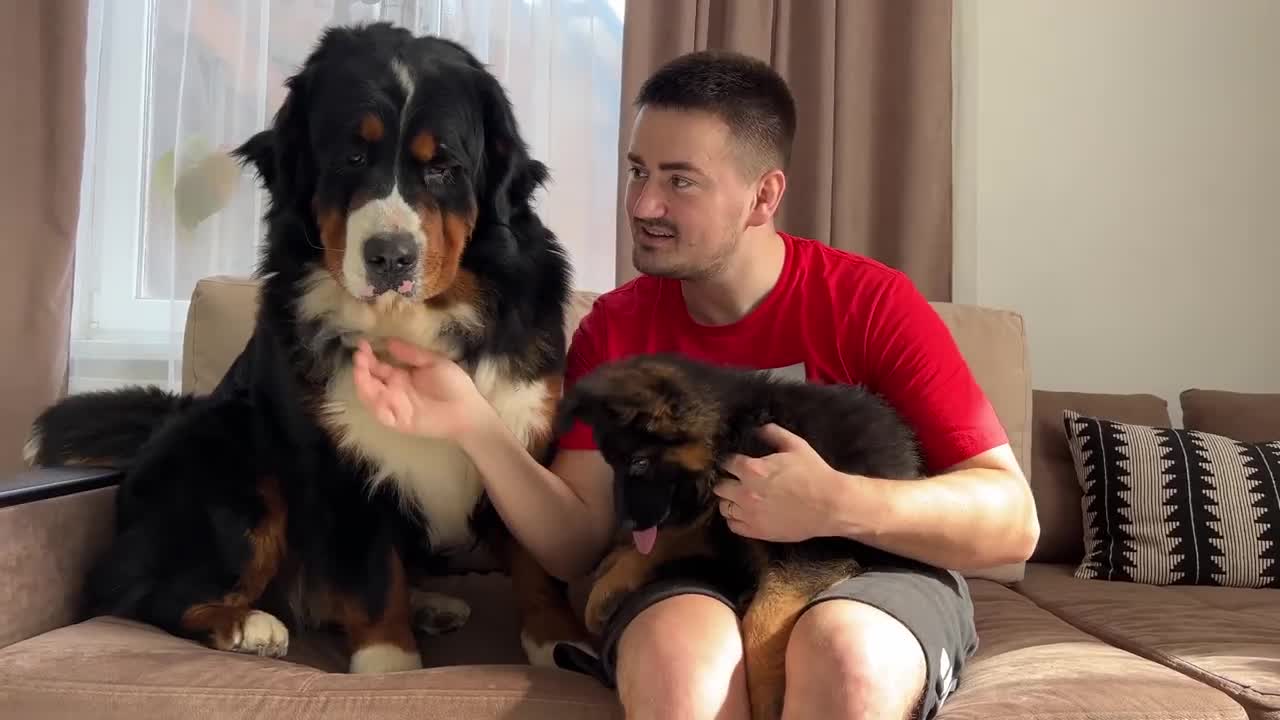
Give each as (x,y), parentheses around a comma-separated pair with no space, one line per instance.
(510,174)
(569,411)
(579,403)
(595,403)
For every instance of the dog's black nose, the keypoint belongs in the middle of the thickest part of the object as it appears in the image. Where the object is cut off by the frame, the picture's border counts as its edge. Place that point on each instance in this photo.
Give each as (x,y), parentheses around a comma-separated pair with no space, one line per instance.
(390,255)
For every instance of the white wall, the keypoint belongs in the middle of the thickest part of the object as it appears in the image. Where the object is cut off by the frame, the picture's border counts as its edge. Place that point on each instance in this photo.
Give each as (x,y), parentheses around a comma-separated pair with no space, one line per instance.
(1118,182)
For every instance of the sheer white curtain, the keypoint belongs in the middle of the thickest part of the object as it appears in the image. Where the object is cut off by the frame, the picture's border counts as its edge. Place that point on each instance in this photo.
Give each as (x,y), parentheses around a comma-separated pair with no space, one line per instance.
(173,84)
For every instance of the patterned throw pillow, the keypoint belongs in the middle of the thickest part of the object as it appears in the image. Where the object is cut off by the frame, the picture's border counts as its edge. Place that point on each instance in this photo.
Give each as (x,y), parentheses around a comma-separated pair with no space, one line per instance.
(1168,506)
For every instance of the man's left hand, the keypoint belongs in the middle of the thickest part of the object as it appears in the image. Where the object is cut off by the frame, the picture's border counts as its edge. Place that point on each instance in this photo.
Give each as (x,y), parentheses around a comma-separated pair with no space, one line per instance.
(785,496)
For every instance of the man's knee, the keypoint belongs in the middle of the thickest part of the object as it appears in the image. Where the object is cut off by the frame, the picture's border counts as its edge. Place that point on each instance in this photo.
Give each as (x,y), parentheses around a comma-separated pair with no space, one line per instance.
(859,657)
(682,657)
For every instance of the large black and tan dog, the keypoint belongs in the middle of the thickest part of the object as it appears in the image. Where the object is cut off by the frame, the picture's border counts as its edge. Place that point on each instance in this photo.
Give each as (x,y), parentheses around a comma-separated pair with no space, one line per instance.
(665,423)
(399,207)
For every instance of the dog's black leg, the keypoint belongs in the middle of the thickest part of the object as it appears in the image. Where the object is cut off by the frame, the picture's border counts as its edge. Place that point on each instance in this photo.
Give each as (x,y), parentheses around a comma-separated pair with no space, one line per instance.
(196,570)
(375,611)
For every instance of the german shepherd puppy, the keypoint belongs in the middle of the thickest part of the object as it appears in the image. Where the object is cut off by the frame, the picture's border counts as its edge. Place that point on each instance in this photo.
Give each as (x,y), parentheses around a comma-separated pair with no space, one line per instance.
(665,423)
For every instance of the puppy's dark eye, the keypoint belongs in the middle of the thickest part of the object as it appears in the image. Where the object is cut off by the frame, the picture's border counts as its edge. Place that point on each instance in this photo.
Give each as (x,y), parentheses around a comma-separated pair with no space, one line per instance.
(357,159)
(639,466)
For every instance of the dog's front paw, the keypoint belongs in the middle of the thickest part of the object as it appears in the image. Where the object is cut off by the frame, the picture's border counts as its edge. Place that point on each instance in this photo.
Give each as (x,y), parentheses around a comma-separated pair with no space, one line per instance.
(436,613)
(260,633)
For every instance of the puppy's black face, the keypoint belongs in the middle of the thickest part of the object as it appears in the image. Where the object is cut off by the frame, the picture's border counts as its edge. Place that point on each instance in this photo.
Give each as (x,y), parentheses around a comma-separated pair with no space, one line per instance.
(394,147)
(656,430)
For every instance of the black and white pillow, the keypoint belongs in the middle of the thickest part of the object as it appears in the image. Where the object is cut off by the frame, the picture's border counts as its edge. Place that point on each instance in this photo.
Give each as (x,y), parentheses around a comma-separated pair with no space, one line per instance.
(1168,506)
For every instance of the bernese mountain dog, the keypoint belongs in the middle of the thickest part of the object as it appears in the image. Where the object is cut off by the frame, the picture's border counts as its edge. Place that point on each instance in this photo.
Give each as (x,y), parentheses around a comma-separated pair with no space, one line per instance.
(400,206)
(665,423)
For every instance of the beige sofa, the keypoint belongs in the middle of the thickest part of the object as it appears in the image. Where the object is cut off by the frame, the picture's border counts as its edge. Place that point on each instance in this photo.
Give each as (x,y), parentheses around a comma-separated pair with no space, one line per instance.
(1051,646)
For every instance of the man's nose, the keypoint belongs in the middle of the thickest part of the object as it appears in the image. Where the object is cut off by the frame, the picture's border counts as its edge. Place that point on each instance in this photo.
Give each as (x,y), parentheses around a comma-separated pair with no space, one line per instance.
(647,202)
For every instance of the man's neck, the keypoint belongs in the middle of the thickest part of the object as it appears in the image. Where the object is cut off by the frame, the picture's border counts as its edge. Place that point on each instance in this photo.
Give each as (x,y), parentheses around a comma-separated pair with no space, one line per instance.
(742,284)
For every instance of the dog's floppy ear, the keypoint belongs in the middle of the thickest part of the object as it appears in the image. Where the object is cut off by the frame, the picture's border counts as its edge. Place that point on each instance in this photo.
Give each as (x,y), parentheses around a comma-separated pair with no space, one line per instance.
(579,403)
(592,401)
(259,152)
(510,174)
(280,154)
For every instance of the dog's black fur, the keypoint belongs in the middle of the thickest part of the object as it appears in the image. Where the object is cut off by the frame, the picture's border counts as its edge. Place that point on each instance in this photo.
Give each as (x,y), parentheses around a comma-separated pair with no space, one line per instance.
(257,497)
(666,423)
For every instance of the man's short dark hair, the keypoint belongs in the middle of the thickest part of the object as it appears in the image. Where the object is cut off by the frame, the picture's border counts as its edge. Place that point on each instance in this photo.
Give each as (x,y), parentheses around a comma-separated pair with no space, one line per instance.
(744,92)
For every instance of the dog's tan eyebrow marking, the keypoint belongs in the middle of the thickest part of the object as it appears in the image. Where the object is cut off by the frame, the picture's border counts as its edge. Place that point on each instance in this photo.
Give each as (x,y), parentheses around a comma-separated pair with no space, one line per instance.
(423,146)
(371,128)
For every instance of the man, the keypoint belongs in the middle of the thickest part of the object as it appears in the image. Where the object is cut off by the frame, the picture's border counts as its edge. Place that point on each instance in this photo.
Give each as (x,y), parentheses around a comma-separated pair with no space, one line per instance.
(706,168)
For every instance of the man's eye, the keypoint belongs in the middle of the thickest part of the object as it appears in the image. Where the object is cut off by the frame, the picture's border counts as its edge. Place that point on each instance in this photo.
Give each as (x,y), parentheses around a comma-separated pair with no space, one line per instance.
(636,172)
(639,466)
(680,182)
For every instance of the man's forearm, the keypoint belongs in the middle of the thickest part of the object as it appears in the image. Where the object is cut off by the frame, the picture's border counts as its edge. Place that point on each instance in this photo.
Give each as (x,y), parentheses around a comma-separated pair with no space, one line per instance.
(541,510)
(962,520)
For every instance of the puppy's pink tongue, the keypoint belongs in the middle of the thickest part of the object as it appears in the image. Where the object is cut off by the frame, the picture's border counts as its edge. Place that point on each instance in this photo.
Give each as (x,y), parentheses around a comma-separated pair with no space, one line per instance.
(406,287)
(644,539)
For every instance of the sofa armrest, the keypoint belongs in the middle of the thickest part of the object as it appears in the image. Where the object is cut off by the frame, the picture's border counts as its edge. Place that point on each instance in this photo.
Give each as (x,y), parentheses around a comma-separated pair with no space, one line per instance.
(53,522)
(48,482)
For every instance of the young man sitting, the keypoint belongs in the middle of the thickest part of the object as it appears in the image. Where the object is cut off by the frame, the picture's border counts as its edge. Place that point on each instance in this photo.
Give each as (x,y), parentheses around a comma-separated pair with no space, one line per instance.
(706,171)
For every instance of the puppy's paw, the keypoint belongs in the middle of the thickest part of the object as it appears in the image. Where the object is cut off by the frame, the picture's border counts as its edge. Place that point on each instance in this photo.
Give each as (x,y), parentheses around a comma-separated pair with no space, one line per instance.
(260,633)
(436,613)
(605,599)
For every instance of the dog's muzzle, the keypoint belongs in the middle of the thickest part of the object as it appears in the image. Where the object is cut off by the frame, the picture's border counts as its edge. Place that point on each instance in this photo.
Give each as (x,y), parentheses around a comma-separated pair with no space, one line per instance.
(390,261)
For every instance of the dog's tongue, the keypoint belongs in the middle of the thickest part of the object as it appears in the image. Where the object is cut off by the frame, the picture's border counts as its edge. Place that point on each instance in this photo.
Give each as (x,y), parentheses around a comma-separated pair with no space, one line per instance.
(644,539)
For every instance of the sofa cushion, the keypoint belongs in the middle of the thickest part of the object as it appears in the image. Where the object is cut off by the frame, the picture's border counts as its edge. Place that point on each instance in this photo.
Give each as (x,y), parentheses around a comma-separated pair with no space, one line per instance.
(1053,478)
(1166,506)
(1252,417)
(112,668)
(1031,664)
(1228,638)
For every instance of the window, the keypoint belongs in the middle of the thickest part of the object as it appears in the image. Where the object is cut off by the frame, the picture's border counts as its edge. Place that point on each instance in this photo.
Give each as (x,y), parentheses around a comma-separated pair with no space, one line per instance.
(170,87)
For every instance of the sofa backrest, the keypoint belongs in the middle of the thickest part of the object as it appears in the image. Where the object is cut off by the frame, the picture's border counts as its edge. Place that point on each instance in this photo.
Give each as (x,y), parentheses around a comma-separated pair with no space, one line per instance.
(220,320)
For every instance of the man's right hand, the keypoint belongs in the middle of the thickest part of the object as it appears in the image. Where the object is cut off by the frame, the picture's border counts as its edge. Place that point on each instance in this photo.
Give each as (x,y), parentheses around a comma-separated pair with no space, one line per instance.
(430,396)
(563,514)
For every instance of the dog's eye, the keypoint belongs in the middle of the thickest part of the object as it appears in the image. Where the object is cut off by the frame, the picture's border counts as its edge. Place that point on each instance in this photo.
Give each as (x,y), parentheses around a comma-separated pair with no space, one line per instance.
(438,173)
(357,159)
(639,466)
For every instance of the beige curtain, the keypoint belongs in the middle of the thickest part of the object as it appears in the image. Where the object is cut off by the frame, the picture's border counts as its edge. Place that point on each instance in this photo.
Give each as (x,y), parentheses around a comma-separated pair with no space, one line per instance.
(871,170)
(42,57)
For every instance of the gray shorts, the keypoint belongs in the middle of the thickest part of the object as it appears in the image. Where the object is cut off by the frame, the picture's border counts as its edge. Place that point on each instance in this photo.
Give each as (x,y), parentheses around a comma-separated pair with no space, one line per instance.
(933,604)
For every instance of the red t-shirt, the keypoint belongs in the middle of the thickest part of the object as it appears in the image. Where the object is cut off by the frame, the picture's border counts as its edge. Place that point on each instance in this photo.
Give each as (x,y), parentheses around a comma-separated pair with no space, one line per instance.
(832,317)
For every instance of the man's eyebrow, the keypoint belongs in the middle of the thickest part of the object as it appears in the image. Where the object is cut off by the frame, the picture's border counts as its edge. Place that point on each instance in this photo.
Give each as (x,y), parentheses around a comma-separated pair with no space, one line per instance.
(676,165)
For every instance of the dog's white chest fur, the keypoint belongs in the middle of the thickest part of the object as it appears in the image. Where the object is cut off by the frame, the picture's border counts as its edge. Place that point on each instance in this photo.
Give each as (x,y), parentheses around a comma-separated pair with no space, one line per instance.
(435,476)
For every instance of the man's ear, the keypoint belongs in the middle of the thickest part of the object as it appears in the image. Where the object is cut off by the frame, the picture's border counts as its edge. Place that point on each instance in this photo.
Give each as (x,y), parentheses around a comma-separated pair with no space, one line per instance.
(768,198)
(510,174)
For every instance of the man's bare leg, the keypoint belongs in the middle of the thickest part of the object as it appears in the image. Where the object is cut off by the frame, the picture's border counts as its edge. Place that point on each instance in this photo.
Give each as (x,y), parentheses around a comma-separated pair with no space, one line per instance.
(847,659)
(681,659)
